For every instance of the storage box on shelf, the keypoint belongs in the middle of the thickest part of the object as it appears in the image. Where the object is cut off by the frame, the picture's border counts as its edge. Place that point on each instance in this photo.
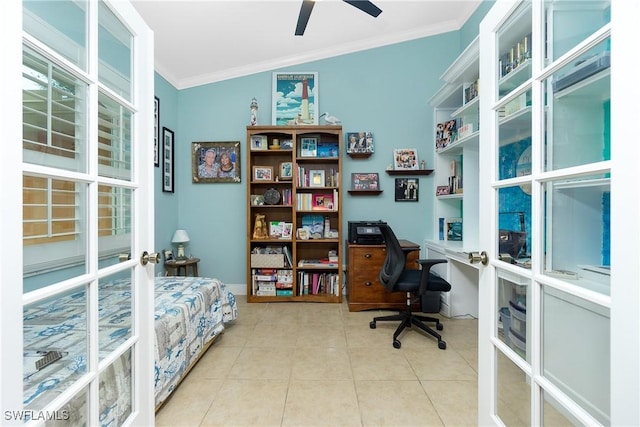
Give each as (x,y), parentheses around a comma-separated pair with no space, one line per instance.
(293,208)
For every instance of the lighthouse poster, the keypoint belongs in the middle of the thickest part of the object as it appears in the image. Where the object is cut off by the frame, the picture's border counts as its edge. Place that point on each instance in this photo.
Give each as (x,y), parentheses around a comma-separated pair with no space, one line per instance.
(295,98)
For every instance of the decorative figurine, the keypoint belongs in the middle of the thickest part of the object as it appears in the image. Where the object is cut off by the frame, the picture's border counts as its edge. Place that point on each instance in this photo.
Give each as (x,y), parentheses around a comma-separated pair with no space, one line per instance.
(260,227)
(254,112)
(423,165)
(329,119)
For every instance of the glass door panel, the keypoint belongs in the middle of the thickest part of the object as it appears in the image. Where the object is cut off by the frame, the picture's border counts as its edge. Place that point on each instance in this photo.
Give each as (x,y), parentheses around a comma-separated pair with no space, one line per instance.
(53,116)
(569,22)
(115,299)
(115,45)
(514,225)
(114,137)
(61,24)
(115,391)
(512,323)
(576,350)
(56,346)
(513,393)
(578,110)
(577,231)
(514,50)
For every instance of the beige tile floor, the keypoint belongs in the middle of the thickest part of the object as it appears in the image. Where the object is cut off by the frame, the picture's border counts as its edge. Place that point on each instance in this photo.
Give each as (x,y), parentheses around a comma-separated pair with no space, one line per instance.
(305,364)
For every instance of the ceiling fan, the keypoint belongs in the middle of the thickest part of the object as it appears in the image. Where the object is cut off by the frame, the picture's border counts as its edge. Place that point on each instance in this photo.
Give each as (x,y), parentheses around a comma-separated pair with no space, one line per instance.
(307,7)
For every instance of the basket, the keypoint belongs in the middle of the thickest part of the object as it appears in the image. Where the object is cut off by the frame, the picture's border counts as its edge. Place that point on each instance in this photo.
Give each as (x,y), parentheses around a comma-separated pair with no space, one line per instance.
(267,260)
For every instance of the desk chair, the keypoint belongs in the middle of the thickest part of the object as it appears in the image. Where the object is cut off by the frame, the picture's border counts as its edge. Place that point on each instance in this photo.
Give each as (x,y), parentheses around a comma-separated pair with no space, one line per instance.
(396,278)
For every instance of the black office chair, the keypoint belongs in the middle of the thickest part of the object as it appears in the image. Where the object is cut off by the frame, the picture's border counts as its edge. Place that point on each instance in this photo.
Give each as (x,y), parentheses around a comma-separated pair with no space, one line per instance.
(415,283)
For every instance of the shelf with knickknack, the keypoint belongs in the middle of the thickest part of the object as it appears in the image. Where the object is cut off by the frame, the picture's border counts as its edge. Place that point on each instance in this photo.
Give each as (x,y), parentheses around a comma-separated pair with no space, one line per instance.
(294,218)
(409,172)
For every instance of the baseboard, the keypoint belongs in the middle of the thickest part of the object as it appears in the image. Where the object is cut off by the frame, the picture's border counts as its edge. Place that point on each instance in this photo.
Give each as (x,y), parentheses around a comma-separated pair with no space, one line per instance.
(237,289)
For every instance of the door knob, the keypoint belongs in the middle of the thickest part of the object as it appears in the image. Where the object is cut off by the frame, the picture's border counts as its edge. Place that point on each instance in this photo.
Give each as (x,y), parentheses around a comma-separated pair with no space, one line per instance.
(482,257)
(153,257)
(124,257)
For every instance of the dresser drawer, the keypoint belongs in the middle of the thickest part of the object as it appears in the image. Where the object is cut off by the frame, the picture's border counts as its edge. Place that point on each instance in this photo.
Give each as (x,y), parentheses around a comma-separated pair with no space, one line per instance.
(364,291)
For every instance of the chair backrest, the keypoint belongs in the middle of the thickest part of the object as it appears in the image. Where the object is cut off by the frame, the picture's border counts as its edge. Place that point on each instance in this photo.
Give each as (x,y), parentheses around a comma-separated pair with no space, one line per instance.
(395,259)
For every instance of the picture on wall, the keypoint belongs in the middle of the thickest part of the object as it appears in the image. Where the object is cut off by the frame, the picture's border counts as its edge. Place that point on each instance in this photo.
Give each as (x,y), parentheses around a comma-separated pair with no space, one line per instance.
(405,159)
(215,162)
(359,142)
(156,132)
(406,190)
(365,181)
(167,160)
(294,98)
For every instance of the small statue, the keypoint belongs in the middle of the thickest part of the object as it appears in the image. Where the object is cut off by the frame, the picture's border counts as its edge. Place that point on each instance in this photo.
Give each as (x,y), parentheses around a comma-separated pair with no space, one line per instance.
(254,112)
(260,227)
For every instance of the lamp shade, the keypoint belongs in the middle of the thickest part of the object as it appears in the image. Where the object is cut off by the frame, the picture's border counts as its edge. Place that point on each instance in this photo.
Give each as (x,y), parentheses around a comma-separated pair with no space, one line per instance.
(180,236)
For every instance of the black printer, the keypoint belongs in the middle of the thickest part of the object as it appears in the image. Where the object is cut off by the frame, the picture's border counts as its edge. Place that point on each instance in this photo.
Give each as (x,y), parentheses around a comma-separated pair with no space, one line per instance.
(365,232)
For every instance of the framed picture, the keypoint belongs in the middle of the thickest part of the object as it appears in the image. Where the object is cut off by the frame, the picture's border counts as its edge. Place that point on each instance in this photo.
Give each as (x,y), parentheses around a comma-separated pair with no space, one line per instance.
(442,190)
(285,171)
(156,131)
(287,230)
(167,160)
(294,98)
(406,190)
(316,178)
(259,143)
(405,159)
(308,147)
(286,144)
(263,173)
(359,142)
(365,181)
(215,162)
(168,255)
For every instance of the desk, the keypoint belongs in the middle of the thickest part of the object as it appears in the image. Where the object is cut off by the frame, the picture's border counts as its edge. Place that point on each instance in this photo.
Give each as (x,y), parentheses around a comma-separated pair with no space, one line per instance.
(364,291)
(175,267)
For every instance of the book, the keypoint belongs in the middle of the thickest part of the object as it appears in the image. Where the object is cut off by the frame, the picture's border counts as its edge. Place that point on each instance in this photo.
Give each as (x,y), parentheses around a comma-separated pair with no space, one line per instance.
(288,257)
(454,229)
(327,149)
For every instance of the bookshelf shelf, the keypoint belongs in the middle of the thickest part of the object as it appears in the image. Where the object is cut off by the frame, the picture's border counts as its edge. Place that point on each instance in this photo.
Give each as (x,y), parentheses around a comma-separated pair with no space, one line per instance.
(310,203)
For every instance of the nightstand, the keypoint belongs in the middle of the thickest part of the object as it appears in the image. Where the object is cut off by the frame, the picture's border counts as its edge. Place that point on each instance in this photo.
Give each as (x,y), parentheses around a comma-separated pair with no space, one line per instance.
(175,267)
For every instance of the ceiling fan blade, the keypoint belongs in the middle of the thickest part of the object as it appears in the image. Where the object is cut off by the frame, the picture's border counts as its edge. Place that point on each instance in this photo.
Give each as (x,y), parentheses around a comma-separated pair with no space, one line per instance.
(366,7)
(303,17)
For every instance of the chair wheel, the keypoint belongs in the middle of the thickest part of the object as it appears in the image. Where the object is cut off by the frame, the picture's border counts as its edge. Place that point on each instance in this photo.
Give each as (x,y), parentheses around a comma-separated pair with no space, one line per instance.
(442,345)
(439,326)
(396,344)
(372,325)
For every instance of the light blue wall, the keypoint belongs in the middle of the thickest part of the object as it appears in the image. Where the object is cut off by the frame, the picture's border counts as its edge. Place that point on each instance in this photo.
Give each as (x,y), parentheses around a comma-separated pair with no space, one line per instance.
(383,90)
(166,204)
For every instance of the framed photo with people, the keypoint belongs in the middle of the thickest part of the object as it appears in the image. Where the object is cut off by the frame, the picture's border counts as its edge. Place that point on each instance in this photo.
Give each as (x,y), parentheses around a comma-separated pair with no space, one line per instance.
(215,162)
(406,190)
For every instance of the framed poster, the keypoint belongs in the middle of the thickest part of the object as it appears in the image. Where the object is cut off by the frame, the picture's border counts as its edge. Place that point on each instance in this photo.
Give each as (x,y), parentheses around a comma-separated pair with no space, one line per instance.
(156,131)
(167,160)
(295,98)
(215,162)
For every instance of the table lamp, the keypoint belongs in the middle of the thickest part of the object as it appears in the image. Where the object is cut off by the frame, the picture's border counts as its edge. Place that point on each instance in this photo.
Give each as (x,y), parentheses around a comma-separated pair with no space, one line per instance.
(180,237)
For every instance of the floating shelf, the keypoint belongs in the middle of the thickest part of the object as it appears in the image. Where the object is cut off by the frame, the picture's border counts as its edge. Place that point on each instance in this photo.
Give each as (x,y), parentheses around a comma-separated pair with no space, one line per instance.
(410,172)
(359,155)
(365,192)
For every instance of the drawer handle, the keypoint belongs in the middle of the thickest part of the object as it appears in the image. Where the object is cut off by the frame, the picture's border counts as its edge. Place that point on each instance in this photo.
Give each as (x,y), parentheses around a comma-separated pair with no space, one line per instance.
(367,255)
(368,283)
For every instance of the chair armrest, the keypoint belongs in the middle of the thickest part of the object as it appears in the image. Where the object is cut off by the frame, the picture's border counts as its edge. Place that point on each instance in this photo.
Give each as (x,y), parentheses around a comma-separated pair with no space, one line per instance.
(426,264)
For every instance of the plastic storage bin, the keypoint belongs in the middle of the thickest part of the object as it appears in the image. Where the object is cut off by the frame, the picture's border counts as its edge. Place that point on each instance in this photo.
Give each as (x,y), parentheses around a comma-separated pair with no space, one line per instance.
(518,319)
(505,316)
(519,296)
(518,343)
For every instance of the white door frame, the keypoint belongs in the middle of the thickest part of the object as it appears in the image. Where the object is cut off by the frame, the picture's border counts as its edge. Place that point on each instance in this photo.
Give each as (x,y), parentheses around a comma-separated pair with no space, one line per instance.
(11,297)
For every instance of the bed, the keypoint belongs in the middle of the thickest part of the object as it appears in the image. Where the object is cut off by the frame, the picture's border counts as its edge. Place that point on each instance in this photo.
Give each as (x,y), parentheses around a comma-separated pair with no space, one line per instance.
(190,312)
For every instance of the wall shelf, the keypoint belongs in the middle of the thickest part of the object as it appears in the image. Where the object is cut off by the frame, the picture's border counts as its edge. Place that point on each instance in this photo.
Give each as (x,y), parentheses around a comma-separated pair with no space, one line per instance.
(365,192)
(410,172)
(359,155)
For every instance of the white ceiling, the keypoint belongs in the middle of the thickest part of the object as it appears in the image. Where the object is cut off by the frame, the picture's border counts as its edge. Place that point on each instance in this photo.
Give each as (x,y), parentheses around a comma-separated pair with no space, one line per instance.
(199,42)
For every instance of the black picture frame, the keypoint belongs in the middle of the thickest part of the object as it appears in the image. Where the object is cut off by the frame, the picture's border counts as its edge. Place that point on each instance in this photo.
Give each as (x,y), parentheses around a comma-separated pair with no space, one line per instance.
(366,181)
(156,131)
(406,189)
(168,138)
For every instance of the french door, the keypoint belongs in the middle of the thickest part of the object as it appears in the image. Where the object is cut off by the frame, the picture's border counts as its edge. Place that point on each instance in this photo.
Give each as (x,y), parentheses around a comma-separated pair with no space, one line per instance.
(558,317)
(77,301)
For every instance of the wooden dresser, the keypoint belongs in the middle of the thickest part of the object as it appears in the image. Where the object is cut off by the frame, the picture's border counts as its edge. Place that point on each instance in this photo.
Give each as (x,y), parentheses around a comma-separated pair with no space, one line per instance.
(364,291)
